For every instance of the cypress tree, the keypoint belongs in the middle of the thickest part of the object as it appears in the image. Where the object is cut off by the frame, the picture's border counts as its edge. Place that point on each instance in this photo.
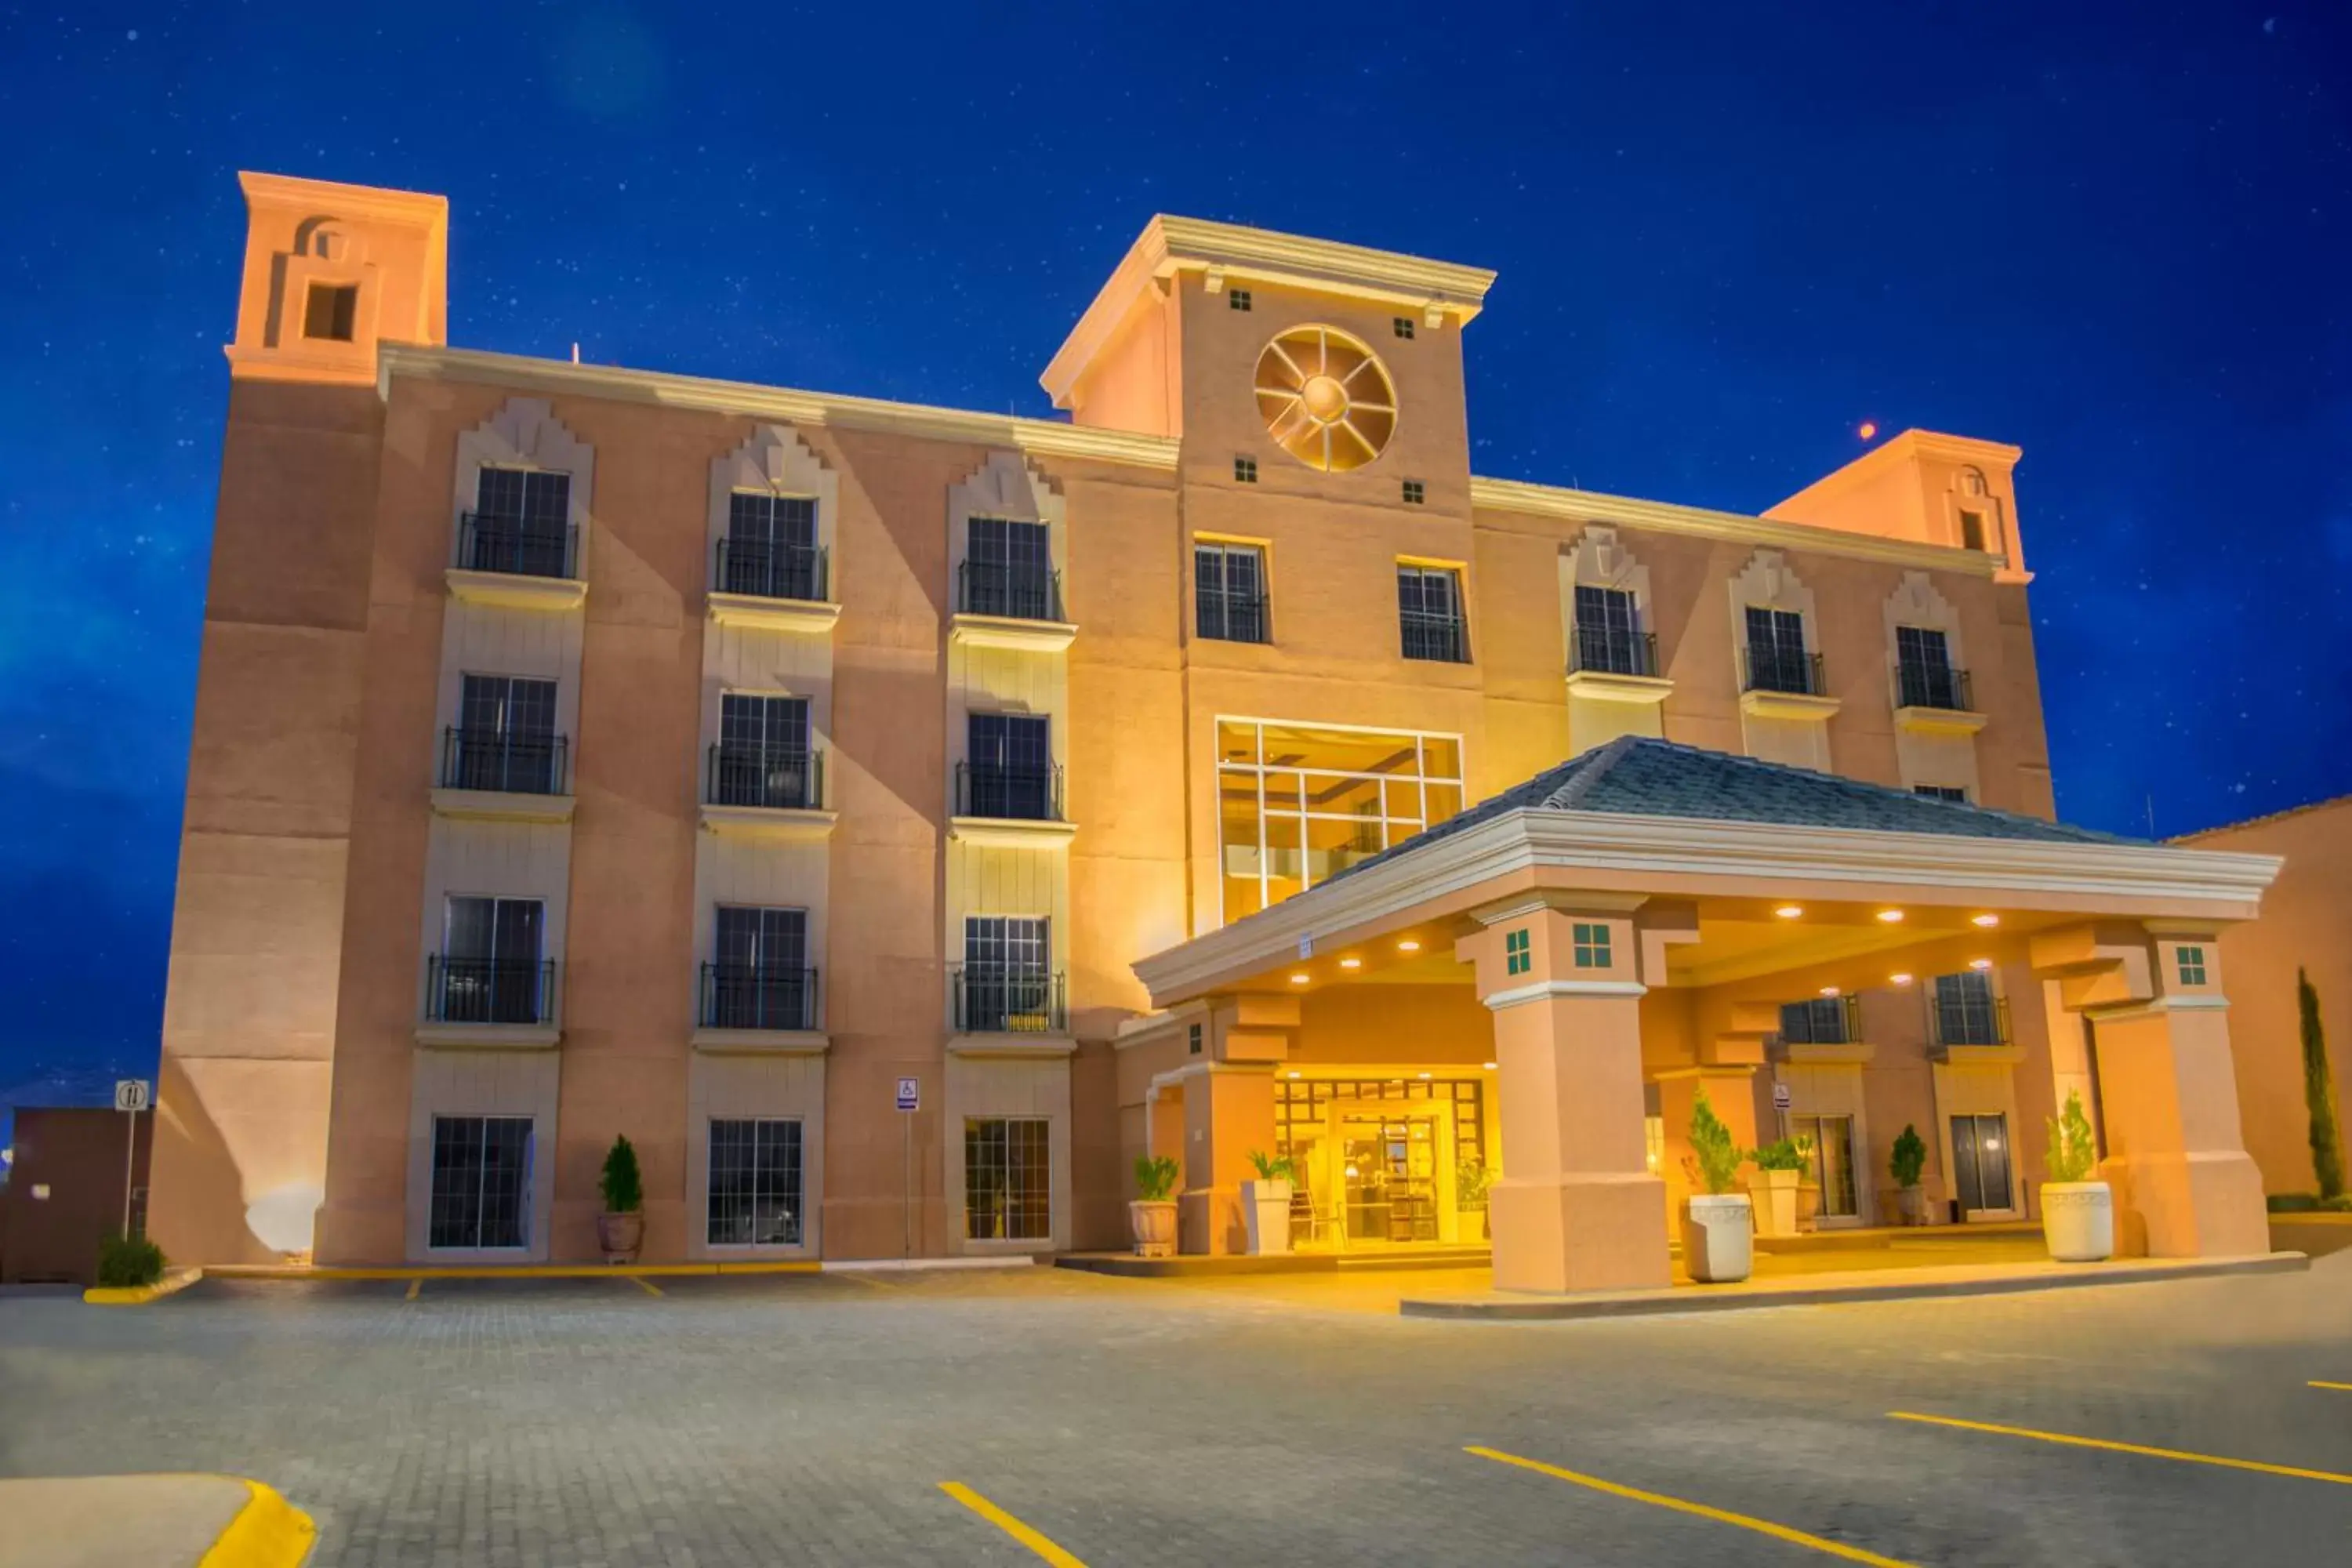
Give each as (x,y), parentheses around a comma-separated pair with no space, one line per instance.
(2319,1094)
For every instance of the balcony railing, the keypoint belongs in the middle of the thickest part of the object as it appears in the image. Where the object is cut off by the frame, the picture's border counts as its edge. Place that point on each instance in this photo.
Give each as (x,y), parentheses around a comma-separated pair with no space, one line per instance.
(1825,1021)
(1932,686)
(1436,635)
(1972,1022)
(1020,593)
(1768,668)
(517,546)
(1001,1002)
(504,762)
(769,571)
(756,996)
(1598,651)
(489,990)
(779,778)
(1008,792)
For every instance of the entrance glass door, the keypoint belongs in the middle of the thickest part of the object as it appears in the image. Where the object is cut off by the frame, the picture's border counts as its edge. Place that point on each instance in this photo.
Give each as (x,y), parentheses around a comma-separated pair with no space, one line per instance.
(1832,1140)
(1391,1175)
(1980,1161)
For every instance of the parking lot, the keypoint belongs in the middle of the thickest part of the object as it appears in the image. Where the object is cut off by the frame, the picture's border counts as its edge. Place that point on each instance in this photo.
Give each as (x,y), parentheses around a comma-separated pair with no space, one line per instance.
(1006,1416)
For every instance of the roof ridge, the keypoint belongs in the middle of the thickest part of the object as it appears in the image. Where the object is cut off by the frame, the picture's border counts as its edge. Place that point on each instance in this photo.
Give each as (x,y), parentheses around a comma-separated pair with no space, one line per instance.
(2268,817)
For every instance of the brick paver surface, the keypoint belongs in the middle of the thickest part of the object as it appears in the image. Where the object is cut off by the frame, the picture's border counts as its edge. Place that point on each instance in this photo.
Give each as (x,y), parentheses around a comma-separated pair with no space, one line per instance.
(811,1420)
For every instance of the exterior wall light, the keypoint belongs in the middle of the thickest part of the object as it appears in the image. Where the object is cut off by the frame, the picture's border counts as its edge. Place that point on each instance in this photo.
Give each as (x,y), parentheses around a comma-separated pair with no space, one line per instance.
(1980,964)
(1986,920)
(1891,917)
(1790,911)
(1899,979)
(1829,990)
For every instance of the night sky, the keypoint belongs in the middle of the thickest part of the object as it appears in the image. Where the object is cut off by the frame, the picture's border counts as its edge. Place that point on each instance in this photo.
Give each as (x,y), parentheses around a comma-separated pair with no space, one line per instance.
(1727,235)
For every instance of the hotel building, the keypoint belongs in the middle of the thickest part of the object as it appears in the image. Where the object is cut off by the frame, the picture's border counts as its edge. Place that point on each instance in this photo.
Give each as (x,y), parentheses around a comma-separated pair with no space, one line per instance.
(584,752)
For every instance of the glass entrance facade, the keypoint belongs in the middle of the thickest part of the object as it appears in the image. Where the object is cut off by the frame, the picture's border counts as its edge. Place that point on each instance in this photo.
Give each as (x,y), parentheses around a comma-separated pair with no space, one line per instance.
(1299,804)
(1385,1161)
(1832,1140)
(1981,1162)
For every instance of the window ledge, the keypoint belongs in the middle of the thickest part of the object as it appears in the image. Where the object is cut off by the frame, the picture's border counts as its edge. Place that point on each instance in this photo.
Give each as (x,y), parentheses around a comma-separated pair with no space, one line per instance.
(1851,1053)
(512,590)
(1788,705)
(812,617)
(1940,720)
(1606,685)
(770,822)
(489,1036)
(1016,1047)
(763,1042)
(1977,1055)
(502,805)
(1011,832)
(1008,631)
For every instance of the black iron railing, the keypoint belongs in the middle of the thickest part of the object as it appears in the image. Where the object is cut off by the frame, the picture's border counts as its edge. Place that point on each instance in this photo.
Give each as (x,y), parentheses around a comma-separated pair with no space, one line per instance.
(504,761)
(1017,592)
(518,546)
(1233,617)
(769,571)
(1932,686)
(757,997)
(1434,633)
(1771,669)
(1822,1021)
(1598,650)
(1008,791)
(1970,1021)
(1008,1001)
(489,990)
(781,778)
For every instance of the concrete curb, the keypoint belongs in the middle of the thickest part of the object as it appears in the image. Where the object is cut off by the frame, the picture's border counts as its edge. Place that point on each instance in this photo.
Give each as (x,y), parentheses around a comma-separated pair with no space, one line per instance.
(169,1520)
(1193,1266)
(917,1265)
(509,1271)
(174,1280)
(268,1533)
(1684,1298)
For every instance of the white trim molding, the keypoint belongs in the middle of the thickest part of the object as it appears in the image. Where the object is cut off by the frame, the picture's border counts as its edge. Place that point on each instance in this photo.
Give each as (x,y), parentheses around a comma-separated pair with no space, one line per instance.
(1544,989)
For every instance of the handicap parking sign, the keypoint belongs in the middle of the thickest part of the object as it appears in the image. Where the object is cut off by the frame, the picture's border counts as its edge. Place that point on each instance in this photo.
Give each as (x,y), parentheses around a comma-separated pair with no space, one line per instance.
(908,1097)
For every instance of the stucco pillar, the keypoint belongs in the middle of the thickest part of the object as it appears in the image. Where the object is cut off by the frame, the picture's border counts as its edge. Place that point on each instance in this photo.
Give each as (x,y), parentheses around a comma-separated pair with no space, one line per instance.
(1228,1112)
(1577,1207)
(1730,1091)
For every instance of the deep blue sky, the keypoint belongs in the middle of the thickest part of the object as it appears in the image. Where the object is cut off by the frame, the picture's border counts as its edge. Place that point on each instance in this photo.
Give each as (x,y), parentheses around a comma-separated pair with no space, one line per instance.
(2115,235)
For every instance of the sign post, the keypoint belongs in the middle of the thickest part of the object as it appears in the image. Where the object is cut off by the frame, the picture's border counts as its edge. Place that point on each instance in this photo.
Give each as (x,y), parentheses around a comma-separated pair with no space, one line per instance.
(131,1096)
(910,1099)
(1783,1099)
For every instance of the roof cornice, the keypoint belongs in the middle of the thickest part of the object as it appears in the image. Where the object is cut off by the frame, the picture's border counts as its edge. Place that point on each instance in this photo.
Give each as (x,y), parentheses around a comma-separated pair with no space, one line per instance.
(1665,517)
(1043,437)
(346,201)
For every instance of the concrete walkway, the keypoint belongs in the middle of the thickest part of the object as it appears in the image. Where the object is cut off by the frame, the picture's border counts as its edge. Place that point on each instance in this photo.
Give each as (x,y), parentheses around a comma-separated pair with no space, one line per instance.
(151,1522)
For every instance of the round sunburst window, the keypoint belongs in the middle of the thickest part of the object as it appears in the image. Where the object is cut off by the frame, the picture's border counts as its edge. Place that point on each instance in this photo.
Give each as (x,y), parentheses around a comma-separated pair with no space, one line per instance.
(1326,397)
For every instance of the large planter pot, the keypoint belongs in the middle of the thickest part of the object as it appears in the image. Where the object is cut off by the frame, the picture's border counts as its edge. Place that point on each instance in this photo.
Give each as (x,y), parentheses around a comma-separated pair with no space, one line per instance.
(2078,1221)
(1775,1193)
(619,1235)
(1809,1204)
(1265,1209)
(1911,1206)
(1718,1238)
(1154,1222)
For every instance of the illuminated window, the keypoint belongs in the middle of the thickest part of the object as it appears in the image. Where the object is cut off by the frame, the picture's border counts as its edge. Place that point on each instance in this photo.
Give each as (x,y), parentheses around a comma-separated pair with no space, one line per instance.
(1245,469)
(1516,959)
(2192,965)
(1592,945)
(1403,325)
(1299,804)
(330,311)
(1237,298)
(1413,493)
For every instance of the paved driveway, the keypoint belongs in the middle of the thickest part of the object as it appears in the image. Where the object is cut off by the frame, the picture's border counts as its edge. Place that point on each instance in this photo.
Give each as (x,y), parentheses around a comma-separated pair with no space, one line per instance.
(814,1419)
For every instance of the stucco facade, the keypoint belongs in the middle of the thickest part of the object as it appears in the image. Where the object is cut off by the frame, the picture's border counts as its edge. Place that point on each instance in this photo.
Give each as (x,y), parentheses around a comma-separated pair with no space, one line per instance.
(331,1044)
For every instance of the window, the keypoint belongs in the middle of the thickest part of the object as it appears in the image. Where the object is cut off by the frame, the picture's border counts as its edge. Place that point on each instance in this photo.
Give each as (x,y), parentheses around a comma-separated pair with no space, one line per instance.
(755,1182)
(1009,772)
(1229,592)
(1245,470)
(1980,1161)
(1402,326)
(1237,298)
(763,757)
(1008,1178)
(1516,958)
(1608,633)
(521,523)
(489,970)
(1957,794)
(504,738)
(2192,963)
(1966,1013)
(1007,984)
(1924,676)
(1299,804)
(1008,570)
(331,310)
(759,977)
(1428,614)
(1972,530)
(481,1181)
(1777,660)
(770,548)
(1302,1106)
(1818,1021)
(1193,1040)
(1414,494)
(1592,945)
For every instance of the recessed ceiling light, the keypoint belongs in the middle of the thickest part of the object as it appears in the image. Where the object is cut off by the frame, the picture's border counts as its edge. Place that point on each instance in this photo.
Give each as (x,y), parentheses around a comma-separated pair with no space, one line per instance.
(1829,990)
(1984,920)
(1297,1075)
(1900,979)
(1299,979)
(1426,1075)
(1980,964)
(1890,916)
(1790,911)
(1351,963)
(1488,1066)
(1408,946)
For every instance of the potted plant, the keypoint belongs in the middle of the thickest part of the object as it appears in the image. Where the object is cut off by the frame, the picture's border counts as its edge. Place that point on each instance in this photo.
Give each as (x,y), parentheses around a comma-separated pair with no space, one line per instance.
(1152,1215)
(1808,1187)
(1718,1226)
(621,1229)
(1774,1187)
(2078,1214)
(1472,1182)
(1908,1160)
(1266,1202)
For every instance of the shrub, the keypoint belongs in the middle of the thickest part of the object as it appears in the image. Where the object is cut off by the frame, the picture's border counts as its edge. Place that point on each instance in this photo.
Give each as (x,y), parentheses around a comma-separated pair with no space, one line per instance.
(623,1188)
(1787,1154)
(1273,1167)
(2319,1093)
(2072,1152)
(2339,1204)
(2292,1203)
(1470,1182)
(1716,1155)
(127,1260)
(1155,1178)
(1910,1157)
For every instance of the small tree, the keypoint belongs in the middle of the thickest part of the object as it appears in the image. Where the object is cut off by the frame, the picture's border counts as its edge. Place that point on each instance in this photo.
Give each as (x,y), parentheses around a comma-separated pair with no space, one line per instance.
(1273,1167)
(2072,1152)
(623,1187)
(1155,1177)
(1909,1158)
(1712,1149)
(2319,1094)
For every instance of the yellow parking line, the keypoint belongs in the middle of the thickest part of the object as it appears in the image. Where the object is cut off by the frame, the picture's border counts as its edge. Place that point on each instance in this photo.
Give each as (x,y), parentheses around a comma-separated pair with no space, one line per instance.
(2110,1444)
(642,1283)
(2345,1388)
(1013,1526)
(414,1286)
(1721,1516)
